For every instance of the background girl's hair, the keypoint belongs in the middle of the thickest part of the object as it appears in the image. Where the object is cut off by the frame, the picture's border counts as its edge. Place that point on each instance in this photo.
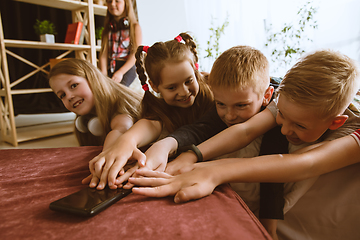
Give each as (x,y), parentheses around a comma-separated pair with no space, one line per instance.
(150,65)
(130,13)
(111,98)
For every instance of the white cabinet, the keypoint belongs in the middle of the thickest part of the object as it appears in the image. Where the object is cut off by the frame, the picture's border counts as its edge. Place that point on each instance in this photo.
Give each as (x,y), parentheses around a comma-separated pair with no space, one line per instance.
(81,11)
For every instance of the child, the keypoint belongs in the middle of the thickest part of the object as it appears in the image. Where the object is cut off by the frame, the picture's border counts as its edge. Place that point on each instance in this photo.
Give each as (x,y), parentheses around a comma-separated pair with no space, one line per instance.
(85,91)
(184,97)
(241,85)
(120,38)
(317,78)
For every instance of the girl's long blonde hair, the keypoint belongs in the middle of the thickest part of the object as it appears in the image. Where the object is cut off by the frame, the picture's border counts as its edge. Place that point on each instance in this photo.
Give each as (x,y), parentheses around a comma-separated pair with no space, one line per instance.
(151,64)
(111,98)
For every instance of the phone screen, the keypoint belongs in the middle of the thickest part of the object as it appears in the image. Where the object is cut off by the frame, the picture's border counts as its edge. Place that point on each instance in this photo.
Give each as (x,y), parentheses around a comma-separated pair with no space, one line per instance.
(89,201)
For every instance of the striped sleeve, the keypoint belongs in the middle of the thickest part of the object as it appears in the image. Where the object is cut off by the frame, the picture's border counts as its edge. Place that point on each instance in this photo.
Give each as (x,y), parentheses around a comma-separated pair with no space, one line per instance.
(356,135)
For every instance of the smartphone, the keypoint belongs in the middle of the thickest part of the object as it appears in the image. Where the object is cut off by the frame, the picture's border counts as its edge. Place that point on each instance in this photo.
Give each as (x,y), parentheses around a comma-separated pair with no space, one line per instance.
(89,201)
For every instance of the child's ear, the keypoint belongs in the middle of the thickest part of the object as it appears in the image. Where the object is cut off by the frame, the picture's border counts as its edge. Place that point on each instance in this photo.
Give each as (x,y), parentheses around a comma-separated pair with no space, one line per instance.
(267,96)
(338,122)
(153,86)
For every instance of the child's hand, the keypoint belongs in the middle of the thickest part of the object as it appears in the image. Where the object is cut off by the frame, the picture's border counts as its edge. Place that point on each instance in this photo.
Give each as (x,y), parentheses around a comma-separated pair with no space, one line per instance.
(109,164)
(87,180)
(183,163)
(124,177)
(156,157)
(118,76)
(91,180)
(156,160)
(195,184)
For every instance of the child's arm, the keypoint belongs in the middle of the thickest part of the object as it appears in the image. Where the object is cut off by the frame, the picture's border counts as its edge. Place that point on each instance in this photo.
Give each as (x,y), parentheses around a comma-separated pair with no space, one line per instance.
(103,60)
(205,177)
(237,136)
(118,75)
(119,125)
(231,139)
(206,127)
(107,165)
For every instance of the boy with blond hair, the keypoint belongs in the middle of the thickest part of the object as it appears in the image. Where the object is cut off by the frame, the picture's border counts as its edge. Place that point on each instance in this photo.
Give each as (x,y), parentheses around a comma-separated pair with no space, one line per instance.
(311,107)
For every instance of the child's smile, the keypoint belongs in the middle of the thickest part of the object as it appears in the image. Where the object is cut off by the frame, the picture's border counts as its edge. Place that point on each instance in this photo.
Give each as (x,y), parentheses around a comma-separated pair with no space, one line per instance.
(74,92)
(179,85)
(78,103)
(298,123)
(186,99)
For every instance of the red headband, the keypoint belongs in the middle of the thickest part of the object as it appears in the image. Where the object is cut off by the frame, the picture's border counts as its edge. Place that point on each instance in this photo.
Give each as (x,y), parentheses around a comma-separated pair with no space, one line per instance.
(197,66)
(179,38)
(145,48)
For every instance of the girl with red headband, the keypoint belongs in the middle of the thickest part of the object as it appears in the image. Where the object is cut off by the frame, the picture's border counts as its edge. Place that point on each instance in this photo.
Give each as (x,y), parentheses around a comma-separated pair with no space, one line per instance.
(178,96)
(120,38)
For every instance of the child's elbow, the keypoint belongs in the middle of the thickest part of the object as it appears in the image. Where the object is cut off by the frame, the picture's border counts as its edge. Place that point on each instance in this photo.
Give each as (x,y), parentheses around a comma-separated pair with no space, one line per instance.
(122,123)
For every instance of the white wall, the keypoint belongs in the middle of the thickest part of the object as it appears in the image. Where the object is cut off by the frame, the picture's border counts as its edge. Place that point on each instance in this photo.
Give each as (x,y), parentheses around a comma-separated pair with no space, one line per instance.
(162,20)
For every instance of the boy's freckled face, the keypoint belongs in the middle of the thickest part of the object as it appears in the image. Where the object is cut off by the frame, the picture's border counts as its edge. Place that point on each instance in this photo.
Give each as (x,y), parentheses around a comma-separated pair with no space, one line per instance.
(179,86)
(236,106)
(74,92)
(298,123)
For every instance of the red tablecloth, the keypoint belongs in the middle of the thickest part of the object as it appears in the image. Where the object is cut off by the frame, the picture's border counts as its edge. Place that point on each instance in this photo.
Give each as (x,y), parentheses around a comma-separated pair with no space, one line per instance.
(33,178)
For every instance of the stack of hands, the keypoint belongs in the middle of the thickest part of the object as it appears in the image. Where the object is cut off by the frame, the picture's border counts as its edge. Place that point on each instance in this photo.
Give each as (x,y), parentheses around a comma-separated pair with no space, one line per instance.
(124,165)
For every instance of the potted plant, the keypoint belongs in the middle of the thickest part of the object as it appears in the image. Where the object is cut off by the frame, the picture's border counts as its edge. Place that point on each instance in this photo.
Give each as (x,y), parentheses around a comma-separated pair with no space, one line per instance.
(46,30)
(98,33)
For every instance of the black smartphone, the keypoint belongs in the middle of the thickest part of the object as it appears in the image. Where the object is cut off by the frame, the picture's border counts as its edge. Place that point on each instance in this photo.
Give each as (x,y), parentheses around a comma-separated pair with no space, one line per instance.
(89,201)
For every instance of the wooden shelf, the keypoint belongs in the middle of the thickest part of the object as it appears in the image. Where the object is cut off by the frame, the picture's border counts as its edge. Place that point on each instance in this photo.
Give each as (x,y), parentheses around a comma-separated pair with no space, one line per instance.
(44,45)
(71,5)
(26,91)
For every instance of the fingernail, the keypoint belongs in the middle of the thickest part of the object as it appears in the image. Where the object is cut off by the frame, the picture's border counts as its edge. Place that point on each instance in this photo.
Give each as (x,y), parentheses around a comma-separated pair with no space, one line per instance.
(176,199)
(110,184)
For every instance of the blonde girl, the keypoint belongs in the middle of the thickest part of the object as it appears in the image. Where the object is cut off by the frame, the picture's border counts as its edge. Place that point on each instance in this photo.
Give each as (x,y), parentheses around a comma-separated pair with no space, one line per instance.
(180,96)
(84,90)
(120,38)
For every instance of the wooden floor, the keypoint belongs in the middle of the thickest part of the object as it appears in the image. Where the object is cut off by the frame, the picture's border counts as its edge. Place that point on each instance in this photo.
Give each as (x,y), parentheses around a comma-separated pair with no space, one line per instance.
(46,124)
